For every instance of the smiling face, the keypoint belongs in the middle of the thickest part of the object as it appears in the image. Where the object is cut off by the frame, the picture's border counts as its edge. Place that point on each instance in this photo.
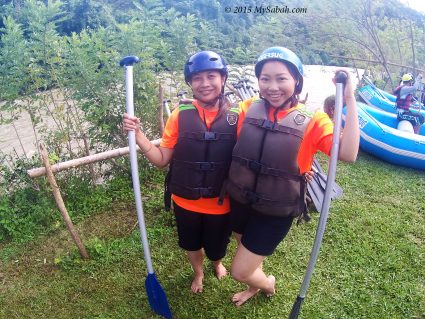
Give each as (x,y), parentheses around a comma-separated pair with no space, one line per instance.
(276,83)
(207,86)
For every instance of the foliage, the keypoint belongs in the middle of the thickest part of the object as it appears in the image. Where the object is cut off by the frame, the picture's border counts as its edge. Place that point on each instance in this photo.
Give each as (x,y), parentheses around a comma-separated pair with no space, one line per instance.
(372,30)
(26,212)
(13,59)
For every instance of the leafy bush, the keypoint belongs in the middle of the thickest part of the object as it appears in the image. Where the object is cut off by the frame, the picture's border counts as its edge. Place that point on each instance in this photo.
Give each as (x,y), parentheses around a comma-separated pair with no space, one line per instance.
(25,213)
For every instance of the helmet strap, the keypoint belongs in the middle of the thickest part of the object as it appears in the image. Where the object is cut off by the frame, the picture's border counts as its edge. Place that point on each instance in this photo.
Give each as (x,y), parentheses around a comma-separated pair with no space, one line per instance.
(291,99)
(219,97)
(212,103)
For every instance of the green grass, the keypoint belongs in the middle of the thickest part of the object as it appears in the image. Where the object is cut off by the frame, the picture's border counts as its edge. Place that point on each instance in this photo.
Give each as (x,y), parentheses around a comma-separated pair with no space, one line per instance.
(371,263)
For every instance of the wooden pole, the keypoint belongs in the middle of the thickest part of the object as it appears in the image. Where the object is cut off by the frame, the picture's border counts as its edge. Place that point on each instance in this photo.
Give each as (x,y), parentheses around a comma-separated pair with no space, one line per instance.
(91,167)
(161,109)
(60,203)
(40,171)
(412,41)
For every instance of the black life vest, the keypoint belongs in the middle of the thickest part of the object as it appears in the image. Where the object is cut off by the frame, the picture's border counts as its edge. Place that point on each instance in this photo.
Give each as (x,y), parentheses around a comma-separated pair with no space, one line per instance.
(202,156)
(264,171)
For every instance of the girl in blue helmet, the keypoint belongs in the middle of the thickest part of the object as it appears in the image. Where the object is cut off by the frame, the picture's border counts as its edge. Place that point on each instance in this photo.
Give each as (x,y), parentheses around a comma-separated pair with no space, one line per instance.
(197,143)
(277,139)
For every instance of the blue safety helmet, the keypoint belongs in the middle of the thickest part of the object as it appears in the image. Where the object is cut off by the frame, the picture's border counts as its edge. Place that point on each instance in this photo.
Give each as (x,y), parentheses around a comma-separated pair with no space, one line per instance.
(286,56)
(204,61)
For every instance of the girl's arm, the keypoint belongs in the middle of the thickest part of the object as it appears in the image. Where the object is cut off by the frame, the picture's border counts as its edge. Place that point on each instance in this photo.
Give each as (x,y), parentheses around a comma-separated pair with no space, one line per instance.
(158,156)
(350,137)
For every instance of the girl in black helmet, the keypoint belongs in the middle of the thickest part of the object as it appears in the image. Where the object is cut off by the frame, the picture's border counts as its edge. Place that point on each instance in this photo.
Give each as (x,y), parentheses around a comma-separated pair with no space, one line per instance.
(197,142)
(277,140)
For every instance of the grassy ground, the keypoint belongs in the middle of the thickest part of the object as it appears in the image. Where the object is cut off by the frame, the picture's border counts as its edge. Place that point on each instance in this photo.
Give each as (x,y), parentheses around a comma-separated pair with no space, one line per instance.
(371,264)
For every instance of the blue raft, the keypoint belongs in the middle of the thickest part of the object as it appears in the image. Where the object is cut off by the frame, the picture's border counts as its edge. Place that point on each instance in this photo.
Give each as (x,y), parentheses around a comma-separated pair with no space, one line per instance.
(381,99)
(380,137)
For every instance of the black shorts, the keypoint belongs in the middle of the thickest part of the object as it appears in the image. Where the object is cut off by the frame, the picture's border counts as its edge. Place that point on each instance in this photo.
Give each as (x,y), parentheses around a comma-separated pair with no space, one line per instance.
(197,230)
(407,115)
(260,233)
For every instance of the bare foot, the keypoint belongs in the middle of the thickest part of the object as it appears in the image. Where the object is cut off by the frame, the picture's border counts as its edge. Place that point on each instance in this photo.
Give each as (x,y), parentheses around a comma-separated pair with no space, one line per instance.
(270,292)
(197,285)
(241,297)
(220,271)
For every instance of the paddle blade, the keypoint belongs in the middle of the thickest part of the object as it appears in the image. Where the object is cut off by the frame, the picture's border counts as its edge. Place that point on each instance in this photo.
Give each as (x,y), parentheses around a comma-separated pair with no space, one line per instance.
(157,298)
(337,191)
(316,192)
(296,308)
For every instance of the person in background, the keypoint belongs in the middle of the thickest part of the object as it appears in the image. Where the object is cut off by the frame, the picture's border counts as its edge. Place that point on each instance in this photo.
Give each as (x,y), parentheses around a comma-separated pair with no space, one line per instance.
(405,100)
(329,106)
(197,142)
(277,139)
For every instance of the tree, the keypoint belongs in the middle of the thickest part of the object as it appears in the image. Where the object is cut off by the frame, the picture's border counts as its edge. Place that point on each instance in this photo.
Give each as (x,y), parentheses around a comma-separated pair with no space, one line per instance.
(357,32)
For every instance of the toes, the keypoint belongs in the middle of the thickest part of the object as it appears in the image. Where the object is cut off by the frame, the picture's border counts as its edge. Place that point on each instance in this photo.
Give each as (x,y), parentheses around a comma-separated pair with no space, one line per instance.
(196,289)
(197,284)
(236,297)
(240,298)
(272,291)
(220,271)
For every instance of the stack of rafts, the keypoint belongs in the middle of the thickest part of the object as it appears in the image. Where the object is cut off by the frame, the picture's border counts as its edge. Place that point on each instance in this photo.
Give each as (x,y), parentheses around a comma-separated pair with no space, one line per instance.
(383,136)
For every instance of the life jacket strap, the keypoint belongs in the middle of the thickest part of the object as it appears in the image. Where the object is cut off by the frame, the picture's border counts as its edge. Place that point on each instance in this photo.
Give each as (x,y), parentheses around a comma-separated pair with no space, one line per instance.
(200,166)
(167,192)
(260,168)
(208,136)
(274,126)
(303,204)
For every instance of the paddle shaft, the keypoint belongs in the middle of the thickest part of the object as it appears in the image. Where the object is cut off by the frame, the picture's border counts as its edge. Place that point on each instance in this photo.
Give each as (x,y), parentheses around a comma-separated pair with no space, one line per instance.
(134,167)
(326,201)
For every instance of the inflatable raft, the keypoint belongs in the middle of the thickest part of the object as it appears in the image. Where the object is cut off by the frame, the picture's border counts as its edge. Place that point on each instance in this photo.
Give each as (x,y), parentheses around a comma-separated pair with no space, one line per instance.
(381,99)
(380,137)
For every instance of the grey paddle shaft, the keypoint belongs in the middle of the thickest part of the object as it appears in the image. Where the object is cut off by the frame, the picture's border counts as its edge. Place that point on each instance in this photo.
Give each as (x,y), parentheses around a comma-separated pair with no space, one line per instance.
(328,191)
(134,167)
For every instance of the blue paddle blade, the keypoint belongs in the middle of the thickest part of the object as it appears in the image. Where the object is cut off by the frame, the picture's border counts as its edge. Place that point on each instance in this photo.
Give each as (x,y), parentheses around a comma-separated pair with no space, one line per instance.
(156,296)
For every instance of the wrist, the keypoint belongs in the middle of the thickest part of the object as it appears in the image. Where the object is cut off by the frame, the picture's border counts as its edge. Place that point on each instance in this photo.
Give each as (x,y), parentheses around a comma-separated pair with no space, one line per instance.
(350,98)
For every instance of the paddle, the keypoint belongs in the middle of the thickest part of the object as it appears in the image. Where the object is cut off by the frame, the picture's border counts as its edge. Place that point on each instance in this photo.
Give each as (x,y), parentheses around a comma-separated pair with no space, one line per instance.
(369,82)
(322,179)
(317,186)
(340,81)
(156,295)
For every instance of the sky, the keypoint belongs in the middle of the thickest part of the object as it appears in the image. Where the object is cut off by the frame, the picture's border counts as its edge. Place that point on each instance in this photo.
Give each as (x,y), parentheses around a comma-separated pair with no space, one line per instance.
(418,5)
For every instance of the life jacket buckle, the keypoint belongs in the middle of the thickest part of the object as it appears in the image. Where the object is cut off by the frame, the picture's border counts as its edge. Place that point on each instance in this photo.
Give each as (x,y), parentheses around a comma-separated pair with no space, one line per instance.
(251,196)
(268,125)
(210,136)
(255,166)
(206,166)
(205,191)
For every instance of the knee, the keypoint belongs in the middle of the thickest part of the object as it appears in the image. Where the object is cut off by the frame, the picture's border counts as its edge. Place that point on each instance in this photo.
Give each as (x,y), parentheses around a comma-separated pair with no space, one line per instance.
(239,274)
